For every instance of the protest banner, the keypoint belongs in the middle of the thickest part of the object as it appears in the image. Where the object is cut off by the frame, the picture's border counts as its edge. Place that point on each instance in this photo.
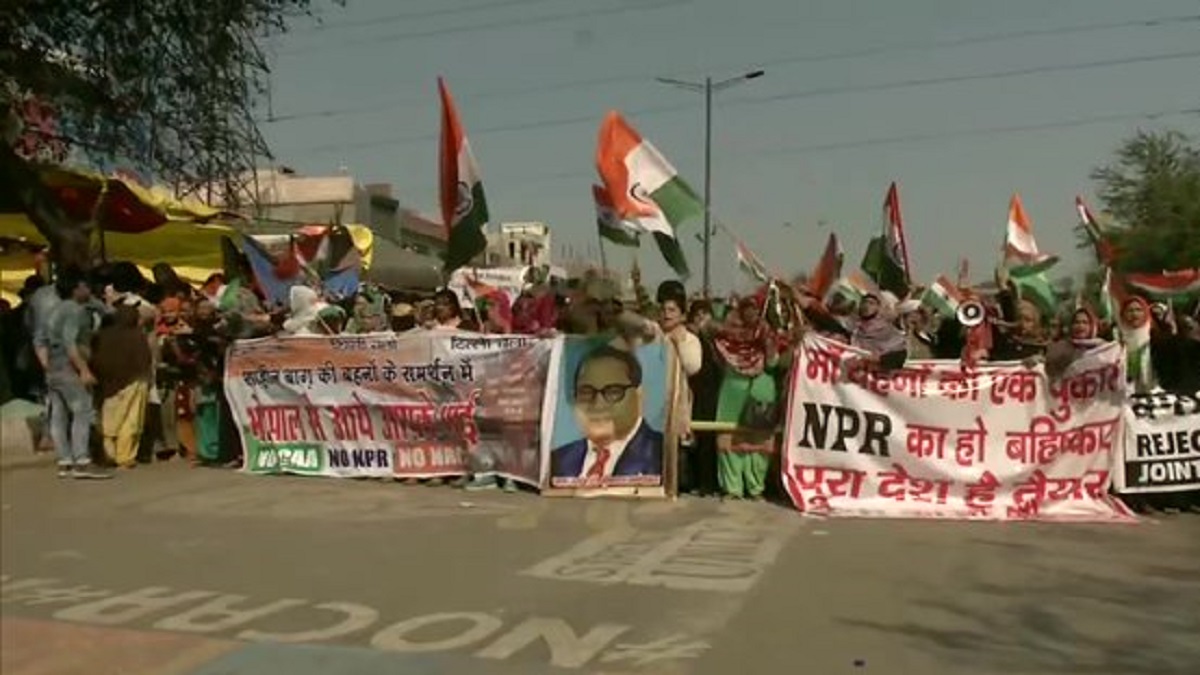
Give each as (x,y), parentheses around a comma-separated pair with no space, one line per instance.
(414,405)
(1162,444)
(609,422)
(999,442)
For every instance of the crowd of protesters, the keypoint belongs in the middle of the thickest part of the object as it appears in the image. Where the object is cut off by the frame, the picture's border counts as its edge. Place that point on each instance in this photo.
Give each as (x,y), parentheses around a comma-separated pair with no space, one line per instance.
(131,369)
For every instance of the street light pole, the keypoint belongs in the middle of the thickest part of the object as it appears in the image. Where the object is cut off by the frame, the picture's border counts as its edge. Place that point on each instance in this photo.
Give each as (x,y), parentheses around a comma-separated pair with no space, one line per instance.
(708,88)
(708,98)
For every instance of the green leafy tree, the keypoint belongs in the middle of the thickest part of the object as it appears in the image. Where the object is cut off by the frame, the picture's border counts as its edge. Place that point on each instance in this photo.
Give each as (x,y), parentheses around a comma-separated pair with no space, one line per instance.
(1150,192)
(167,87)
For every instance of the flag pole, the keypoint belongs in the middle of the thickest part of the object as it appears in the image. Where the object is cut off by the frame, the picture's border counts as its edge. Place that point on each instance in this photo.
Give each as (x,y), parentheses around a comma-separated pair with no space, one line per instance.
(603,256)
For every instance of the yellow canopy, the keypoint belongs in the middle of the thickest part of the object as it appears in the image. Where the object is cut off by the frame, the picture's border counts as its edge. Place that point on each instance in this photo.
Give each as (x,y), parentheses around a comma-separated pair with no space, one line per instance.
(157,198)
(194,250)
(189,240)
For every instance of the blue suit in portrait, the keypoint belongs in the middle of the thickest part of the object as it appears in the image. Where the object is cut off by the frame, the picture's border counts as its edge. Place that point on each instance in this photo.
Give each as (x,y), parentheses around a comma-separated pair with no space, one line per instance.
(642,456)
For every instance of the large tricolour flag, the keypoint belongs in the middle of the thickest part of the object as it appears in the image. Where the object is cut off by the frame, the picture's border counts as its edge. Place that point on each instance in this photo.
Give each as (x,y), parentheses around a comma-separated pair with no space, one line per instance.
(464,208)
(612,228)
(644,187)
(1021,251)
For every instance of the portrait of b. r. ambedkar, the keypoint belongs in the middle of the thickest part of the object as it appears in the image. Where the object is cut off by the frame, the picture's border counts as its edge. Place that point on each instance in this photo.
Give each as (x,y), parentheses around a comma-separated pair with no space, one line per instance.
(607,396)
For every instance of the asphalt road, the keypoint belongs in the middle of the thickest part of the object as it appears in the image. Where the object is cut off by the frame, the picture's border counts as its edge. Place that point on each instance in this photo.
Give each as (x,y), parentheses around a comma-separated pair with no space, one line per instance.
(201,572)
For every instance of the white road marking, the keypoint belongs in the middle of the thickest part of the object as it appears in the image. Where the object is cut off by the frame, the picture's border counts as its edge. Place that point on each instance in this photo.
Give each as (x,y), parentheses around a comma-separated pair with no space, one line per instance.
(219,614)
(440,632)
(725,553)
(666,649)
(357,617)
(567,650)
(394,637)
(129,606)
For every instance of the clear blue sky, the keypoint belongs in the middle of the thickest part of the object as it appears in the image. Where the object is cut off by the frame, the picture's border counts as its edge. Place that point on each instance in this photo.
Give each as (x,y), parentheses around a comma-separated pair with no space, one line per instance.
(534,77)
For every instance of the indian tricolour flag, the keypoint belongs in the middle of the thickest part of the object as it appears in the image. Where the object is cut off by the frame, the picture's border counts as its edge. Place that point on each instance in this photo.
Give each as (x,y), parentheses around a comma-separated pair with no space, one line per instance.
(854,286)
(886,259)
(1105,254)
(1108,305)
(644,186)
(750,263)
(828,269)
(1021,251)
(464,208)
(943,297)
(1178,284)
(612,228)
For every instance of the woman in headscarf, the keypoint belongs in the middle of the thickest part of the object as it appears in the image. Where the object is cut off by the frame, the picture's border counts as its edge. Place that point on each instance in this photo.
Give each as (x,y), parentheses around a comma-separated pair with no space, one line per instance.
(1134,323)
(1173,350)
(1022,340)
(310,315)
(1083,334)
(121,361)
(1020,333)
(748,397)
(1135,327)
(914,321)
(877,334)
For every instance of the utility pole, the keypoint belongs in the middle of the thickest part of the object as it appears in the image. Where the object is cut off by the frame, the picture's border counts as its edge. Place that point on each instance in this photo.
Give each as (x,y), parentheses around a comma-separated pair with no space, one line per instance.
(708,88)
(708,95)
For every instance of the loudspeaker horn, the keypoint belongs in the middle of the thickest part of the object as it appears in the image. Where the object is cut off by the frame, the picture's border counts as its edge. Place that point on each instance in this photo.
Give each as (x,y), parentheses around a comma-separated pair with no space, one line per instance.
(971,313)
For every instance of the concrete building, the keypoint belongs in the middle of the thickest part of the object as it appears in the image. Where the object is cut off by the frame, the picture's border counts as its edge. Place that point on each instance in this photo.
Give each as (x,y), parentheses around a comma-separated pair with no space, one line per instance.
(518,244)
(285,198)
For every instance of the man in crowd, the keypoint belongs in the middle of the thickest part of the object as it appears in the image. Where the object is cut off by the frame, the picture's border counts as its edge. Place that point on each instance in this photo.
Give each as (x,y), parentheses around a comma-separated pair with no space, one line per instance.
(63,350)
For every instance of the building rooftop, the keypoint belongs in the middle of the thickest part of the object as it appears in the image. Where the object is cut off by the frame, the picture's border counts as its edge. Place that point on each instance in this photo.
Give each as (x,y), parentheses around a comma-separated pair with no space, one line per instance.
(418,224)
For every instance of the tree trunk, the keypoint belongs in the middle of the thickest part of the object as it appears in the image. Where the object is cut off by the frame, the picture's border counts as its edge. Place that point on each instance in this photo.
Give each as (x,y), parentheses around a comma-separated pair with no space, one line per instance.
(70,240)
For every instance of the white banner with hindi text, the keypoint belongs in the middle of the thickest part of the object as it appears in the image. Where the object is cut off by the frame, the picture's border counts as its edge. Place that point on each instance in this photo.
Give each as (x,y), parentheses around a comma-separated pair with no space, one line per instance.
(931,440)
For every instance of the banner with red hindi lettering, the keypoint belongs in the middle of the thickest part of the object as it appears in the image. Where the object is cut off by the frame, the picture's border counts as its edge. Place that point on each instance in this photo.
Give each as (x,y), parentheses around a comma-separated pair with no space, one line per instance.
(413,405)
(932,440)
